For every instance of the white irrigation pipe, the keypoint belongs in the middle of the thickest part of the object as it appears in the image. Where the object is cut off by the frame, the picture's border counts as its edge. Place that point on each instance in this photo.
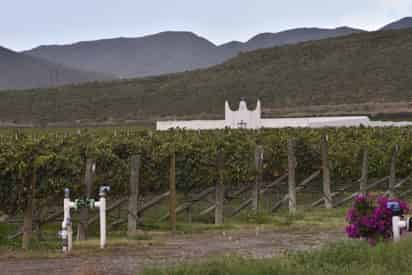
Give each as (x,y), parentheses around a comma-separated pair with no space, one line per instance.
(67,232)
(397,225)
(101,204)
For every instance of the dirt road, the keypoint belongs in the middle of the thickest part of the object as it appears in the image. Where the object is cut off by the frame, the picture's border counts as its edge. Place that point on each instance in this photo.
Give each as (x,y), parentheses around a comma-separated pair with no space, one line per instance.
(182,248)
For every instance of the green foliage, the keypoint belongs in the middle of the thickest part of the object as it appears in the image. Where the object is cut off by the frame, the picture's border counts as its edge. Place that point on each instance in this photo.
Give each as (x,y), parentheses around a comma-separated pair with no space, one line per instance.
(5,230)
(58,158)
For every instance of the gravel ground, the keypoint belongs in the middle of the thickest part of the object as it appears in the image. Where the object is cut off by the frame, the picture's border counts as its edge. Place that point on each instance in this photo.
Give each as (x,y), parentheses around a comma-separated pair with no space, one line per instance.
(181,248)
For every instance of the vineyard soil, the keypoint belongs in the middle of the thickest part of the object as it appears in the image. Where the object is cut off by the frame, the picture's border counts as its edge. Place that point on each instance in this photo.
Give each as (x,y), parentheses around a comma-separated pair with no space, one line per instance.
(254,243)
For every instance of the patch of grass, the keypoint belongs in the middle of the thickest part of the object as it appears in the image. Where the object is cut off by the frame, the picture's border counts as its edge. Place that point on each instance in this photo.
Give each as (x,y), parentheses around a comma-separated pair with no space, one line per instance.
(89,247)
(200,228)
(346,258)
(318,217)
(94,244)
(186,228)
(323,218)
(47,240)
(144,236)
(5,230)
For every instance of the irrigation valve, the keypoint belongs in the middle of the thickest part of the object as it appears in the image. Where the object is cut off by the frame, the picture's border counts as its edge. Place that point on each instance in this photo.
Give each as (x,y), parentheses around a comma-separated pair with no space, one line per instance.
(399,222)
(66,233)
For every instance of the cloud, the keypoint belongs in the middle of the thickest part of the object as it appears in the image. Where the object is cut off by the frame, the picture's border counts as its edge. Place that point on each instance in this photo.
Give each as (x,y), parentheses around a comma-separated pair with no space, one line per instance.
(395,8)
(374,14)
(395,5)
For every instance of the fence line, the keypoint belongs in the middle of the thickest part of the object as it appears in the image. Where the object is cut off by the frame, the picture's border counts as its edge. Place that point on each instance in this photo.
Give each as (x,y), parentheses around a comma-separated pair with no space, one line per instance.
(246,196)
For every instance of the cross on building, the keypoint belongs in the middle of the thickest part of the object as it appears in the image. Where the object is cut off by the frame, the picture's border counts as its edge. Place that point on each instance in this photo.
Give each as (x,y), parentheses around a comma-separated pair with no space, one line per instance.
(242,124)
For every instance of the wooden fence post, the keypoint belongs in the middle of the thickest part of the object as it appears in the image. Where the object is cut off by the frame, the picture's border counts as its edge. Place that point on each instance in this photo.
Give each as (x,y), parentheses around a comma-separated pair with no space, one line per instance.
(189,214)
(364,176)
(220,190)
(291,176)
(37,221)
(258,180)
(326,172)
(132,216)
(172,190)
(84,212)
(392,176)
(28,213)
(188,210)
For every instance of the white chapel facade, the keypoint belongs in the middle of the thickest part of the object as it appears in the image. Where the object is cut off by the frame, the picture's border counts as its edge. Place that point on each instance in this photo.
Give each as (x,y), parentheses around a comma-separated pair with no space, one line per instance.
(243,118)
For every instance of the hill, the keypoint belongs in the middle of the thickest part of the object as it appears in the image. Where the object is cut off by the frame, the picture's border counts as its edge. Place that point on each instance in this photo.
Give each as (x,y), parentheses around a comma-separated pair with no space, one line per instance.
(357,73)
(19,71)
(400,24)
(166,52)
(158,54)
(267,40)
(131,57)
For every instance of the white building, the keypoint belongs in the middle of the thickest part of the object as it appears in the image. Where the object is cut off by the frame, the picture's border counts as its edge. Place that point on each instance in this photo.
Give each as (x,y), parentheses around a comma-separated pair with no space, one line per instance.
(251,119)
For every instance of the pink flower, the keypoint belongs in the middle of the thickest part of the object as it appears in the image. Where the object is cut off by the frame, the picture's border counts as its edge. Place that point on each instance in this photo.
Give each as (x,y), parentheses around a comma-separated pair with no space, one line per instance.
(371,219)
(360,198)
(352,231)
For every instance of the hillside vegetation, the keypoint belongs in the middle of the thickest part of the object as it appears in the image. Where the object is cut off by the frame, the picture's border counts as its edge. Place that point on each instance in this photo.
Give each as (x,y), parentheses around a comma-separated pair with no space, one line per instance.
(367,68)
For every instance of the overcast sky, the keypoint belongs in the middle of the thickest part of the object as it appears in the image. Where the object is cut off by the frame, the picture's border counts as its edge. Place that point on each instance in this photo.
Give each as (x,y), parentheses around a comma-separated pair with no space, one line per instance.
(28,23)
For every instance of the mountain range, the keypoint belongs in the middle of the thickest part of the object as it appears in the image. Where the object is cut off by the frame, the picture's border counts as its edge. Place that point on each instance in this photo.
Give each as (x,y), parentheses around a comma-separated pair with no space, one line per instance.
(20,71)
(167,52)
(400,24)
(162,53)
(361,73)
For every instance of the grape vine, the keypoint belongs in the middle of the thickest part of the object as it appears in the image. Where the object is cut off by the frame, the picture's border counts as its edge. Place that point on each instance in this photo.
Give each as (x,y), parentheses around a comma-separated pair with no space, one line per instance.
(58,157)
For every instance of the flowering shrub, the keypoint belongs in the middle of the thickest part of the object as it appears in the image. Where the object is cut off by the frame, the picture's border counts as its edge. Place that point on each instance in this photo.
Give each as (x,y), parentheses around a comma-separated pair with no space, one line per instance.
(371,220)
